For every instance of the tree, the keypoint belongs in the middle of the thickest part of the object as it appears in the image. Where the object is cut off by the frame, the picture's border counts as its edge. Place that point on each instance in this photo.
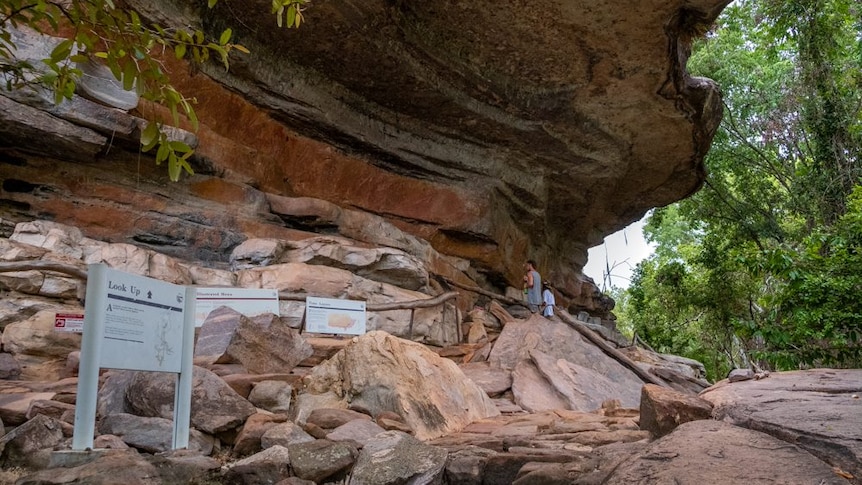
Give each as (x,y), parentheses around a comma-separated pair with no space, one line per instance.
(763,259)
(130,46)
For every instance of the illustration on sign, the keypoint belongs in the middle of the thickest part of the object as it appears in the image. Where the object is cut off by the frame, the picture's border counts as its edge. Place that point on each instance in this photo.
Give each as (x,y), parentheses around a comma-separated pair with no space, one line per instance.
(328,315)
(248,301)
(143,318)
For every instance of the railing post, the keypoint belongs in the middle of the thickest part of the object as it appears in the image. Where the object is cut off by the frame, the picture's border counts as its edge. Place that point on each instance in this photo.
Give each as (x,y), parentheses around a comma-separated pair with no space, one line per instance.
(410,331)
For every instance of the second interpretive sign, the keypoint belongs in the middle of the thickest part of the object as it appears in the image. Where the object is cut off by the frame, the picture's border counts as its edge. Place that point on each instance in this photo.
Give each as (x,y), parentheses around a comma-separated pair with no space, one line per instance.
(328,315)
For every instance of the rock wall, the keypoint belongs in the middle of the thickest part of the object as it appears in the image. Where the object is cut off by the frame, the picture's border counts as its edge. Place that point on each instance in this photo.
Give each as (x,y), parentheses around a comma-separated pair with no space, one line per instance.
(495,137)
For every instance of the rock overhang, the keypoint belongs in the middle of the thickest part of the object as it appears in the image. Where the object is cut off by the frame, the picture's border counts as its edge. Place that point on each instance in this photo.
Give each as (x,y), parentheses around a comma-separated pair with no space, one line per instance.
(495,130)
(561,121)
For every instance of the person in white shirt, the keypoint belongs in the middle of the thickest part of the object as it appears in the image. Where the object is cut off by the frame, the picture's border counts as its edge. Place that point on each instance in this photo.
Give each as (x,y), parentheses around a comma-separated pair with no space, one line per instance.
(548,300)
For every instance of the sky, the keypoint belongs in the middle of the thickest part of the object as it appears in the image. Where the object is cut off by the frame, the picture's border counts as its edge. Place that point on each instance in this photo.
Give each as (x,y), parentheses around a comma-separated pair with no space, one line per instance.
(621,251)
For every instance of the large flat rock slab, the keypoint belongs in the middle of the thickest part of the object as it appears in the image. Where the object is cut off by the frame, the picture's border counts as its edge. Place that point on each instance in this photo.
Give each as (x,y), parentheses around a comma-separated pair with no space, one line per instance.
(715,452)
(819,410)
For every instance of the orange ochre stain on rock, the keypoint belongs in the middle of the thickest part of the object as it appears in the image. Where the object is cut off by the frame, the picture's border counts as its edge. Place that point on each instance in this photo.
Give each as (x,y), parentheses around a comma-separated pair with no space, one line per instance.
(242,138)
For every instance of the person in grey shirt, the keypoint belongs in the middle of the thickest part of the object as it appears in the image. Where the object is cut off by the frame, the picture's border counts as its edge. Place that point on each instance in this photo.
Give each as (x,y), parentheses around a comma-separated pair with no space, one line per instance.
(532,286)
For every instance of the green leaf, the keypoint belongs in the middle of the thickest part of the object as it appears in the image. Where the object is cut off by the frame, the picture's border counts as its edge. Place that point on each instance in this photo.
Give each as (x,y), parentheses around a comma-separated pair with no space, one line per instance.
(130,74)
(173,168)
(180,51)
(211,3)
(291,15)
(162,152)
(193,118)
(62,50)
(225,37)
(150,136)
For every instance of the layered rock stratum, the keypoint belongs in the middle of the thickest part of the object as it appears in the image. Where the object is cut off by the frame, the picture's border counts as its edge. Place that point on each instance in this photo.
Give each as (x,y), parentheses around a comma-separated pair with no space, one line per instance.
(496,131)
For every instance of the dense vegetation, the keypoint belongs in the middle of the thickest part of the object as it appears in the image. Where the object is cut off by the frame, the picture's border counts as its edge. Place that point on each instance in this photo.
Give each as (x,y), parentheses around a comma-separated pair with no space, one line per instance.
(763,266)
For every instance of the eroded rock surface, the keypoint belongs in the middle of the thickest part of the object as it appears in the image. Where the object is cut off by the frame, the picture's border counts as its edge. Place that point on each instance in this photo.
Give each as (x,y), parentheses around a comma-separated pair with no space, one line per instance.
(491,135)
(383,373)
(716,452)
(819,410)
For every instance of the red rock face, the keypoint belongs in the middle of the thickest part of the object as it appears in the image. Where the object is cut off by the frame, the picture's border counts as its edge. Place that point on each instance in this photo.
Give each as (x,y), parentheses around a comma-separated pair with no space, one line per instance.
(247,144)
(497,138)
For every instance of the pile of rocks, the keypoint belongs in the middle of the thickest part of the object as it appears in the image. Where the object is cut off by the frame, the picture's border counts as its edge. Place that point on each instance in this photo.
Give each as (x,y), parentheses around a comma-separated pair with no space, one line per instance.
(522,401)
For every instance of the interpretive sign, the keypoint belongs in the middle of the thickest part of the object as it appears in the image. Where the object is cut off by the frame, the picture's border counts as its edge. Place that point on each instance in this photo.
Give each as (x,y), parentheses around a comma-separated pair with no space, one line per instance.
(248,301)
(69,322)
(328,315)
(143,324)
(135,323)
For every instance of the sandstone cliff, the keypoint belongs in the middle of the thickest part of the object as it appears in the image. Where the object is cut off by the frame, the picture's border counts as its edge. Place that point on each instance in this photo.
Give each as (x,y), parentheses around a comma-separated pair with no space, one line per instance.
(495,131)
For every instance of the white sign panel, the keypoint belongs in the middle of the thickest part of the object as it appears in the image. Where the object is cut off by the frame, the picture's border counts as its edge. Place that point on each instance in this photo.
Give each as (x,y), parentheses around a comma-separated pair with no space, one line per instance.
(328,315)
(247,301)
(136,323)
(69,322)
(143,324)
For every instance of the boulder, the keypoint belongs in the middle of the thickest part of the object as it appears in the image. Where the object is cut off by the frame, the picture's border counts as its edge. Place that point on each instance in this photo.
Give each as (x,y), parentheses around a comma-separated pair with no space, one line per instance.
(284,434)
(717,452)
(737,375)
(392,422)
(19,445)
(662,409)
(52,409)
(10,369)
(393,457)
(151,434)
(16,306)
(486,318)
(247,441)
(819,410)
(684,375)
(559,353)
(40,350)
(274,396)
(585,388)
(380,372)
(467,465)
(243,383)
(268,466)
(307,402)
(358,431)
(477,333)
(330,418)
(320,460)
(15,404)
(262,344)
(106,468)
(215,406)
(492,380)
(42,283)
(109,441)
(111,398)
